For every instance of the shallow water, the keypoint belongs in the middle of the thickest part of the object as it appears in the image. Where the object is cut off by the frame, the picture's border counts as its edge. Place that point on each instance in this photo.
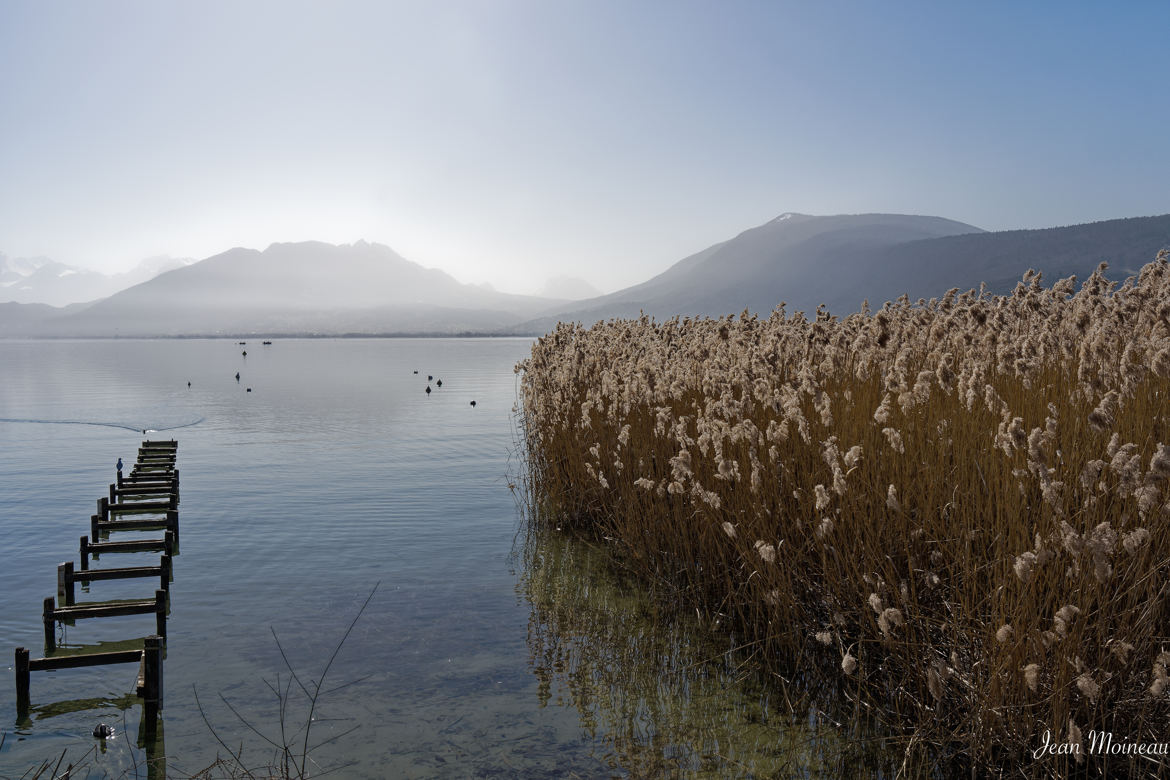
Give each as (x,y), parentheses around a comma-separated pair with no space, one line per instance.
(336,473)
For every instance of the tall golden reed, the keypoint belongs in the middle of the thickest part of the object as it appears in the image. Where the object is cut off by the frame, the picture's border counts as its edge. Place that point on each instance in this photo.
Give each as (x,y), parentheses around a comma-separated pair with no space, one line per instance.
(957,507)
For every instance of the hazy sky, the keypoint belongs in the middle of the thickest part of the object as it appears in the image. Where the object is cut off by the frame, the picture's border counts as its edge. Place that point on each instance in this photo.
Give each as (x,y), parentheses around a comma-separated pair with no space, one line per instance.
(513,141)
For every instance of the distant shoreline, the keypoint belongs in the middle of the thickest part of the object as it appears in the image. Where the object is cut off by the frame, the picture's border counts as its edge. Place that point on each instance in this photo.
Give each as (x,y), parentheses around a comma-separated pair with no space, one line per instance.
(435,335)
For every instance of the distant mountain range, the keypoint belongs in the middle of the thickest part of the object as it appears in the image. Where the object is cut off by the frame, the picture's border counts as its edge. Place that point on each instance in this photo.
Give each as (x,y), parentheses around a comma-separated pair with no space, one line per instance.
(41,280)
(305,288)
(320,289)
(840,261)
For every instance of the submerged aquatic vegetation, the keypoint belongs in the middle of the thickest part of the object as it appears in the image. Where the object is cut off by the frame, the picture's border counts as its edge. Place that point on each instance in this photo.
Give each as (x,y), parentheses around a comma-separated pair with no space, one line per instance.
(968,495)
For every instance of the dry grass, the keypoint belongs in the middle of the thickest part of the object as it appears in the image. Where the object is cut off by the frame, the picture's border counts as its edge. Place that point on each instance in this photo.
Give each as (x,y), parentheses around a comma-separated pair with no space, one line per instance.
(958,507)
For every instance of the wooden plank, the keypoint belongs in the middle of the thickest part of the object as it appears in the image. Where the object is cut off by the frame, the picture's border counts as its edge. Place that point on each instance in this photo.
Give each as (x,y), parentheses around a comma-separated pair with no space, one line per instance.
(140,507)
(85,659)
(113,609)
(149,479)
(131,546)
(127,572)
(166,544)
(141,524)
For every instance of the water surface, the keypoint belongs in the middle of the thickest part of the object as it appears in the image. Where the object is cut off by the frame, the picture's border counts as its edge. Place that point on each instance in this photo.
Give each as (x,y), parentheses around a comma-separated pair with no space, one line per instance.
(335,473)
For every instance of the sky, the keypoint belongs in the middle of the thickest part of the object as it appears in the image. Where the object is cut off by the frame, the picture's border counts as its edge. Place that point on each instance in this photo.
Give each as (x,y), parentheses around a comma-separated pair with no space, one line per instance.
(515,140)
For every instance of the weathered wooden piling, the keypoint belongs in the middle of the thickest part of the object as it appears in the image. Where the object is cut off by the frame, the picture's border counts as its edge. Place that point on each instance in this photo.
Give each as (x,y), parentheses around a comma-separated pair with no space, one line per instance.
(150,681)
(22,680)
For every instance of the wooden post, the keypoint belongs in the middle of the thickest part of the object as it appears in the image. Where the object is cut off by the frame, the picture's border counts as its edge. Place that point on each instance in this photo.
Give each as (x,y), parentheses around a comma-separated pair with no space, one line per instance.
(165,565)
(173,522)
(93,527)
(119,478)
(169,542)
(113,492)
(50,626)
(84,553)
(65,588)
(160,612)
(104,508)
(22,685)
(152,663)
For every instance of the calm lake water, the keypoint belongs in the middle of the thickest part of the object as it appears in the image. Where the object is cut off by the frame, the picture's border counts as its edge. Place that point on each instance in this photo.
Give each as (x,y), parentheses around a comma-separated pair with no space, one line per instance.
(482,652)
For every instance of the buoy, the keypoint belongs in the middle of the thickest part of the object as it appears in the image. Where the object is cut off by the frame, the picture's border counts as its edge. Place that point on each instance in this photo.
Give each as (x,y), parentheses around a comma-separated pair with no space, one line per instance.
(439,383)
(473,403)
(244,353)
(249,389)
(428,389)
(188,384)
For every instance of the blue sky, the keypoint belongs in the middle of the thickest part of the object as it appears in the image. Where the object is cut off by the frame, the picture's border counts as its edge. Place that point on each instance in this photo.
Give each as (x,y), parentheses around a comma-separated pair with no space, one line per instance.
(511,141)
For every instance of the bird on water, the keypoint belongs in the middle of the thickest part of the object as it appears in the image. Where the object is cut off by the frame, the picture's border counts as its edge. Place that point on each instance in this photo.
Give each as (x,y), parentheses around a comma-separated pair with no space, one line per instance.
(439,383)
(473,403)
(428,389)
(101,731)
(237,376)
(429,377)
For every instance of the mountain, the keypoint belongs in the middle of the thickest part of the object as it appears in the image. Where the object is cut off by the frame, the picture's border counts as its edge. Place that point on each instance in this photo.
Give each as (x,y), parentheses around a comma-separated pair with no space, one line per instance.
(42,280)
(842,260)
(300,288)
(571,288)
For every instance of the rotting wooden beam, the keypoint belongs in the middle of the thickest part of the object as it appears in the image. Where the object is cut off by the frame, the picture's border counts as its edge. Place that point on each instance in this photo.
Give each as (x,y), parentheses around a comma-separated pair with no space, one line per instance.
(53,615)
(67,578)
(148,684)
(166,544)
(169,523)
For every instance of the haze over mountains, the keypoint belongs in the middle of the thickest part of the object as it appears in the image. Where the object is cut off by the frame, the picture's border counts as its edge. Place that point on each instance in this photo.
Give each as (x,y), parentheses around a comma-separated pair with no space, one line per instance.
(319,289)
(42,280)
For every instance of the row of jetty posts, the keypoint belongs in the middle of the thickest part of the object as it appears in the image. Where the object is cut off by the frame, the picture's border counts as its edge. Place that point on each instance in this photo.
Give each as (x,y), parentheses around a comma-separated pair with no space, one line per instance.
(147,499)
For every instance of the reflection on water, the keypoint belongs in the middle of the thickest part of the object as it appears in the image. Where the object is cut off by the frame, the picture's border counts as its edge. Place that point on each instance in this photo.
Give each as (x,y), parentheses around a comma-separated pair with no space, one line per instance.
(667,696)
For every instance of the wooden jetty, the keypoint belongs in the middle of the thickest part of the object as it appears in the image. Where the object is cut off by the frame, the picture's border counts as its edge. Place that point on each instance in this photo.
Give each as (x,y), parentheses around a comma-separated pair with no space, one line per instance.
(146,499)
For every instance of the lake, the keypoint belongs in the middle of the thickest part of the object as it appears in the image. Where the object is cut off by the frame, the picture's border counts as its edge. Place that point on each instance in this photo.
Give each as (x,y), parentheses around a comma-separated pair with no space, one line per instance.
(483,652)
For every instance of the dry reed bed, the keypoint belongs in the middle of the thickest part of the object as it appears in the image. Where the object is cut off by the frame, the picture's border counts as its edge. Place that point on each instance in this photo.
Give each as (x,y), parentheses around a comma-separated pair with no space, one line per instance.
(956,507)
